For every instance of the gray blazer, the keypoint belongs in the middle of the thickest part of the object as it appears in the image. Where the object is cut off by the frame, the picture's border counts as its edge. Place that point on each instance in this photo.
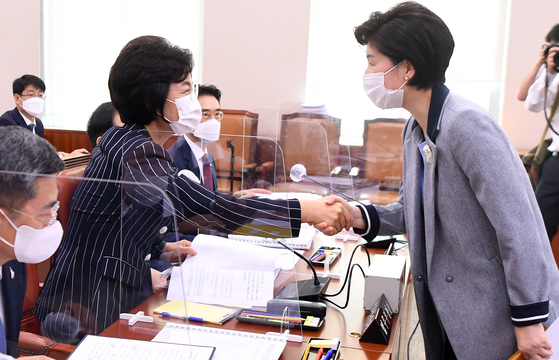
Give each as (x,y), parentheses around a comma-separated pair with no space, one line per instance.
(480,257)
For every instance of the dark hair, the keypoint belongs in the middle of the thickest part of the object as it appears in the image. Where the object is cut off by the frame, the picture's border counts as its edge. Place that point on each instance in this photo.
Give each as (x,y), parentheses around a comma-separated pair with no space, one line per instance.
(21,83)
(208,89)
(553,34)
(100,121)
(23,152)
(140,77)
(409,31)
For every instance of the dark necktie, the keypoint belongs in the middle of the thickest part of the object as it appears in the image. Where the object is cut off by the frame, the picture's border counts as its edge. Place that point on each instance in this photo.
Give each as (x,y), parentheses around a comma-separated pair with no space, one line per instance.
(31,127)
(207,171)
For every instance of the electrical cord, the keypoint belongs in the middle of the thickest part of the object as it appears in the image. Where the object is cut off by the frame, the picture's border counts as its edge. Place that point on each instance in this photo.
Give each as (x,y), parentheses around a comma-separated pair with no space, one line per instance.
(348,277)
(348,268)
(348,289)
(409,341)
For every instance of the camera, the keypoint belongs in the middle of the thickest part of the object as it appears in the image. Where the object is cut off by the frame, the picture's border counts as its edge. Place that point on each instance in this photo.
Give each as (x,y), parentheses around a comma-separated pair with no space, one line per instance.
(555,58)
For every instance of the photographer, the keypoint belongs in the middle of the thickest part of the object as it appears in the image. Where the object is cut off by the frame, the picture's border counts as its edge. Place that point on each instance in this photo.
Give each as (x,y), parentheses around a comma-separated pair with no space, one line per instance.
(539,89)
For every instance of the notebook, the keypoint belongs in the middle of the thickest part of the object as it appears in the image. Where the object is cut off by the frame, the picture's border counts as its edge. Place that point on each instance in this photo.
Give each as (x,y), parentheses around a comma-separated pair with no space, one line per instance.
(228,344)
(101,347)
(303,242)
(210,313)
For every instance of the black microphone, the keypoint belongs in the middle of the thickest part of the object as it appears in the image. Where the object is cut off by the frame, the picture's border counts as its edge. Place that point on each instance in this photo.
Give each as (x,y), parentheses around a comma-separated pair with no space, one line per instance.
(308,290)
(298,173)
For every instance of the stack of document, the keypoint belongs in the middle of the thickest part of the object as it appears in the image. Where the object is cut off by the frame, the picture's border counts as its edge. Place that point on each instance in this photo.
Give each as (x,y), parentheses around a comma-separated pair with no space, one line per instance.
(230,273)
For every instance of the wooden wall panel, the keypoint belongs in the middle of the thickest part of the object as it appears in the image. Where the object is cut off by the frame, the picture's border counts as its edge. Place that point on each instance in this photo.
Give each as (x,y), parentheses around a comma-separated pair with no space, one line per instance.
(68,140)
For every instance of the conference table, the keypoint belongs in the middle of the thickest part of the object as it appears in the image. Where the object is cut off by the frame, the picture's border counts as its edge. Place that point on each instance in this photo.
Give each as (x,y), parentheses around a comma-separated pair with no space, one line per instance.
(339,323)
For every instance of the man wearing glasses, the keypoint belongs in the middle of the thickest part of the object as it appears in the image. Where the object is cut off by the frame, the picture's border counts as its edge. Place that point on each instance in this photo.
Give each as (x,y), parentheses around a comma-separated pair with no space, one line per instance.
(190,152)
(29,232)
(29,98)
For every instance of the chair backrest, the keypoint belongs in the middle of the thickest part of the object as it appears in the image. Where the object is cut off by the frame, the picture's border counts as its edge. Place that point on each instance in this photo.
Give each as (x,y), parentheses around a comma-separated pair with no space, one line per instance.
(384,150)
(298,146)
(243,125)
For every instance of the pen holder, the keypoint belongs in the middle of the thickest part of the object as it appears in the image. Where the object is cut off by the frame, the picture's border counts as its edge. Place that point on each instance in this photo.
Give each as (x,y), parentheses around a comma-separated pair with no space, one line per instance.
(379,323)
(315,344)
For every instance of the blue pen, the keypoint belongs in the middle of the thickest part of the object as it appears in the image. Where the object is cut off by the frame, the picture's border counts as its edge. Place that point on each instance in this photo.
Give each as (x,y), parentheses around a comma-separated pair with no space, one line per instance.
(319,252)
(166,314)
(335,344)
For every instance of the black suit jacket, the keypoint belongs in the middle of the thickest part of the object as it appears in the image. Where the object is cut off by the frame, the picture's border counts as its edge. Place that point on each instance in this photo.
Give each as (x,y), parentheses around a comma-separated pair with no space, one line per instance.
(184,159)
(102,267)
(14,282)
(13,117)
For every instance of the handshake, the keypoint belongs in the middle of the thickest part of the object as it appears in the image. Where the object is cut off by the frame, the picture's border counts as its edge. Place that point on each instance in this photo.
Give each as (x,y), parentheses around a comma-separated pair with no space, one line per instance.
(331,214)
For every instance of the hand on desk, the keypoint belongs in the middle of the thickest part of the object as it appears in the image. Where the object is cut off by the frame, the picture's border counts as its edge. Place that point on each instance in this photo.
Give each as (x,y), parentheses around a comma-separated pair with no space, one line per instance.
(172,250)
(532,342)
(157,282)
(329,214)
(250,193)
(77,152)
(356,218)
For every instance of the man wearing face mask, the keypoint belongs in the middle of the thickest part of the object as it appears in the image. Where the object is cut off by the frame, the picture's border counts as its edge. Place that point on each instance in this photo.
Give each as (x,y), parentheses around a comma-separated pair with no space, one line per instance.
(29,231)
(190,152)
(29,98)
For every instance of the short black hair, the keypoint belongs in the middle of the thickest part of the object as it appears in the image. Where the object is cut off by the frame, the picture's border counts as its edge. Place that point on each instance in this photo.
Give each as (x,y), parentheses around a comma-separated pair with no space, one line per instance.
(27,155)
(21,83)
(409,31)
(553,34)
(208,89)
(140,77)
(100,121)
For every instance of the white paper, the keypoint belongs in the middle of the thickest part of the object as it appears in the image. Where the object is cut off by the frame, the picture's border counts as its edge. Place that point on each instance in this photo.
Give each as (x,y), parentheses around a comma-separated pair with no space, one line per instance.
(290,195)
(226,272)
(228,344)
(106,348)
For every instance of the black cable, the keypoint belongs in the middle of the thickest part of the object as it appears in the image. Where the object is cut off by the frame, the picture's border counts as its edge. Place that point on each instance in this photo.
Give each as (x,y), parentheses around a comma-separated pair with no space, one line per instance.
(409,341)
(349,265)
(348,288)
(544,99)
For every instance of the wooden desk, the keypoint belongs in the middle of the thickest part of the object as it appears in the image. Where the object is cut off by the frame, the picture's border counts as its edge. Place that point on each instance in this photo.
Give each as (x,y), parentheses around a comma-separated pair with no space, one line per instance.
(338,323)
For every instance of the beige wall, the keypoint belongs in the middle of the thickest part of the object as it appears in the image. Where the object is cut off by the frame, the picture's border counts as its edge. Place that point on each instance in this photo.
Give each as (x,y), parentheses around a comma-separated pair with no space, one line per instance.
(20,45)
(530,21)
(256,52)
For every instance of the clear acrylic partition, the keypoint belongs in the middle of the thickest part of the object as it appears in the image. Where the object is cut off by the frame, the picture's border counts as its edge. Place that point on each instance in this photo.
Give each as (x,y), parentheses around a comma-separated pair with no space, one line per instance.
(102,267)
(231,270)
(375,169)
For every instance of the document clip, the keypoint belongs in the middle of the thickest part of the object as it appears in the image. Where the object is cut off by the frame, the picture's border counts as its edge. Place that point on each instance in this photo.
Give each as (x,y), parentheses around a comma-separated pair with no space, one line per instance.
(326,272)
(347,236)
(134,318)
(287,336)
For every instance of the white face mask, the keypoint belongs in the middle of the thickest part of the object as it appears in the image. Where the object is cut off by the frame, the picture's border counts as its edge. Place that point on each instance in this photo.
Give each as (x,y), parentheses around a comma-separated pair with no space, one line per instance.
(384,98)
(33,246)
(33,106)
(190,115)
(208,131)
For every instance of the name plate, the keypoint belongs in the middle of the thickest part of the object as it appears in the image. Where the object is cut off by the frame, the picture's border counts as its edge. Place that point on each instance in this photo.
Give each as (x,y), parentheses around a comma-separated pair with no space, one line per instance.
(379,323)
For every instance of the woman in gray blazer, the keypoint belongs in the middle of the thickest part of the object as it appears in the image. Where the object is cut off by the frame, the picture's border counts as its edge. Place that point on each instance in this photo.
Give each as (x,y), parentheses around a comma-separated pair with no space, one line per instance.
(484,275)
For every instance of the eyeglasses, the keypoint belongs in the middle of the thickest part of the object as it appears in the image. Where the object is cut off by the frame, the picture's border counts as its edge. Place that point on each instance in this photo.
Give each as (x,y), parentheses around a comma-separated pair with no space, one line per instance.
(53,214)
(218,115)
(193,91)
(42,96)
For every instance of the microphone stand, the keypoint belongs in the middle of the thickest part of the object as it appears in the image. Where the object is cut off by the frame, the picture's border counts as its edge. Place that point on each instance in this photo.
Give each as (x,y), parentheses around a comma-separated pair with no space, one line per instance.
(232,162)
(308,290)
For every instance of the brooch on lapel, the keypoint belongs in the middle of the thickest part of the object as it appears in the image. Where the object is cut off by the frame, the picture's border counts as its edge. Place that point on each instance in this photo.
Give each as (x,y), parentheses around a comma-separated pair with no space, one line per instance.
(12,273)
(428,154)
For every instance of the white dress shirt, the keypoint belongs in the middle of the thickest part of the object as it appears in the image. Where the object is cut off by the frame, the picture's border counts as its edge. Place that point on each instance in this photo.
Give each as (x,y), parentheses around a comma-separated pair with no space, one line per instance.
(535,101)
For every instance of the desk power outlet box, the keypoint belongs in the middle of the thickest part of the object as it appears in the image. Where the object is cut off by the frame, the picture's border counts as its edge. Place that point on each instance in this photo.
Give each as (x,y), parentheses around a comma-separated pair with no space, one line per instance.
(386,275)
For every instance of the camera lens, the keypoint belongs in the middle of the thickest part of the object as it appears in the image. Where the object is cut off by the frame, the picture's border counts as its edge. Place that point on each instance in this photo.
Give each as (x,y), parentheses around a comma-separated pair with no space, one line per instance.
(555,58)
